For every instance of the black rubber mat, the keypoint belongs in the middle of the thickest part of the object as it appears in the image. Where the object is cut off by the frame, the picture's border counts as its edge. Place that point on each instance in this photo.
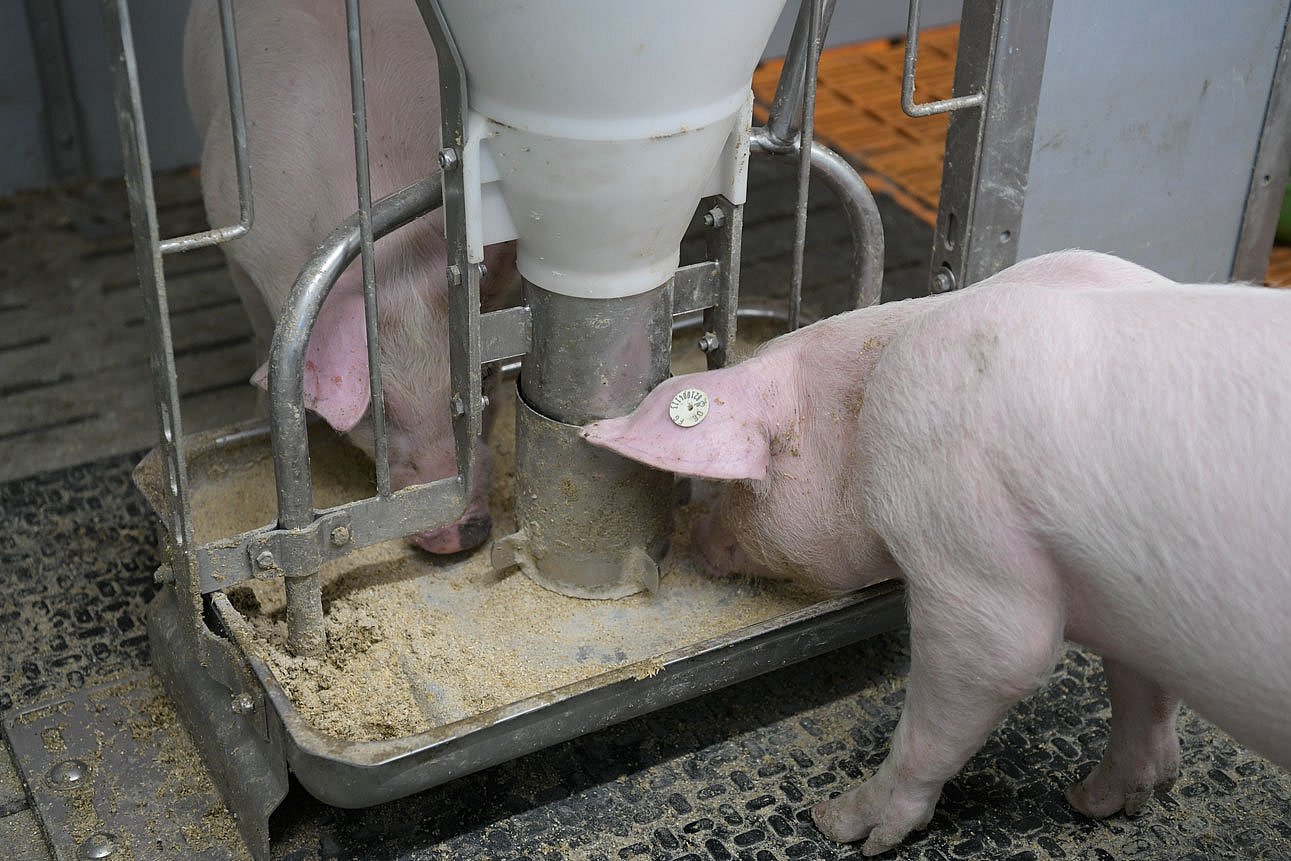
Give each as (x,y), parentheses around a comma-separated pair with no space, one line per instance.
(725,776)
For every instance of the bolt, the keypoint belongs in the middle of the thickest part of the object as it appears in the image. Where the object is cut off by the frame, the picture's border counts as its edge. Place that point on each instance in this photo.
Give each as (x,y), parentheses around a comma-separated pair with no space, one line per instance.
(483,270)
(943,281)
(459,408)
(69,772)
(264,560)
(242,704)
(340,536)
(448,158)
(99,845)
(709,342)
(454,276)
(715,218)
(484,401)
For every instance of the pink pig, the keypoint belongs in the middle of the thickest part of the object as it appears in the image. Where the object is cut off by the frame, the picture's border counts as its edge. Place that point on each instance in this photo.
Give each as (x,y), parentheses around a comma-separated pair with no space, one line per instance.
(1075,448)
(295,77)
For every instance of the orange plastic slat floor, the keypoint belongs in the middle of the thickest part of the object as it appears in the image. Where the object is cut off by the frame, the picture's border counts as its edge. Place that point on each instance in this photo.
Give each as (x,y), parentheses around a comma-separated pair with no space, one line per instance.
(858,113)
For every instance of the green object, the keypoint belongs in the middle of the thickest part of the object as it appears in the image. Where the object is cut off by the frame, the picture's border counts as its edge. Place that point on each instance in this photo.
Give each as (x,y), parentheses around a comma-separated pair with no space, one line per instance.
(1283,235)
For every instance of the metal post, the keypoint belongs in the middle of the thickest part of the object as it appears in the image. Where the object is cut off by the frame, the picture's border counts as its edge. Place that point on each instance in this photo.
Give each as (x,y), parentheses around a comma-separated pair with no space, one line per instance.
(1268,176)
(817,36)
(725,235)
(143,217)
(590,523)
(380,443)
(786,106)
(1002,46)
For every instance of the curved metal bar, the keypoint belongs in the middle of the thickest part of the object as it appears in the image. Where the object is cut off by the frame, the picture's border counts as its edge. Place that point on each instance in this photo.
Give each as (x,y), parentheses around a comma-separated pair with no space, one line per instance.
(287,389)
(858,202)
(241,161)
(291,337)
(786,106)
(927,109)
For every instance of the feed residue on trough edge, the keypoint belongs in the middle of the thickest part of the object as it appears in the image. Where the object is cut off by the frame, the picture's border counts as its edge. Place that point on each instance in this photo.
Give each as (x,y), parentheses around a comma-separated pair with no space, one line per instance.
(416,642)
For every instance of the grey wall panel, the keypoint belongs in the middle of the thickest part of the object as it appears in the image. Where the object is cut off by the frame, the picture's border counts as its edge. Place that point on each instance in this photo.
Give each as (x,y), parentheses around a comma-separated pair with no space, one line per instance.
(158,31)
(1149,116)
(22,155)
(158,37)
(858,20)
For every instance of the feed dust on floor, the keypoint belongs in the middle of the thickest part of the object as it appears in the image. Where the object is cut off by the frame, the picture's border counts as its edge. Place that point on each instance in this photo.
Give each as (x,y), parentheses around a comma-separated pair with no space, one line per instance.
(416,641)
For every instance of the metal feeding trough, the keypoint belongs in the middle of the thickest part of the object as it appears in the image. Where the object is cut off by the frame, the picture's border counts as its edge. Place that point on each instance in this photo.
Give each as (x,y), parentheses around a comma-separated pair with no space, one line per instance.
(598,187)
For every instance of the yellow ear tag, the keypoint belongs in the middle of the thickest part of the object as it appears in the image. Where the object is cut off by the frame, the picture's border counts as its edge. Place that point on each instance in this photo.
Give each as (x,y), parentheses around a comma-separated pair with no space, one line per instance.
(688,408)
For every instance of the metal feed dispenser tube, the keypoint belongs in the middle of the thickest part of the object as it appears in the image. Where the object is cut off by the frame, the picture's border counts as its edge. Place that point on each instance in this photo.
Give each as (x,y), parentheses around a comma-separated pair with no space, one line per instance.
(592,145)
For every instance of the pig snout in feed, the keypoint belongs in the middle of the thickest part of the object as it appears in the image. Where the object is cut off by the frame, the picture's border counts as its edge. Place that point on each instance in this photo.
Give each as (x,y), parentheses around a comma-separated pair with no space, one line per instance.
(1075,448)
(295,79)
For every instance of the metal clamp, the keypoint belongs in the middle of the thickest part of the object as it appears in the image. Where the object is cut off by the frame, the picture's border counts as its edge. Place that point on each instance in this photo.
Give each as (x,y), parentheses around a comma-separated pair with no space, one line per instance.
(300,552)
(926,109)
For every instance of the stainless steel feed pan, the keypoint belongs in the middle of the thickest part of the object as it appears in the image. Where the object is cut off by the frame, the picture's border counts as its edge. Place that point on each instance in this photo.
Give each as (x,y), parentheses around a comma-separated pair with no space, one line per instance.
(358,773)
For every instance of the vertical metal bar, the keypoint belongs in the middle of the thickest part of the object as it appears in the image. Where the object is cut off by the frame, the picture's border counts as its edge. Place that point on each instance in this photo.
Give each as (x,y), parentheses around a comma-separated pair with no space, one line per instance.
(724,240)
(1268,175)
(782,122)
(463,278)
(381,454)
(1002,48)
(237,113)
(804,161)
(143,218)
(241,159)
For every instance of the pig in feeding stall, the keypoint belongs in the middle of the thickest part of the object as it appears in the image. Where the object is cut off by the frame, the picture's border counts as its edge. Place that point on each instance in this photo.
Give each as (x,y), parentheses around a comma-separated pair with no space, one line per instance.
(301,140)
(1076,447)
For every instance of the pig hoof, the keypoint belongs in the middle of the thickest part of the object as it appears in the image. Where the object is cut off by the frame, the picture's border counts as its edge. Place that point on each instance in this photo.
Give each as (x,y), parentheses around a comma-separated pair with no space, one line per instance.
(1106,792)
(855,815)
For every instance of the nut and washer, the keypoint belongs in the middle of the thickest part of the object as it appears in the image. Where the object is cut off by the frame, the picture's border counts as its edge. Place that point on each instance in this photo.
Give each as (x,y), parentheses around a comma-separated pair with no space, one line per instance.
(448,159)
(340,536)
(709,342)
(943,281)
(454,273)
(715,218)
(265,560)
(459,408)
(242,704)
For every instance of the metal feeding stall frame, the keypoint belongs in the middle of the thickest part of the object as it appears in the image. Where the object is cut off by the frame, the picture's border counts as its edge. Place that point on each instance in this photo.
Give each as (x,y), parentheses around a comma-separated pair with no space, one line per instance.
(249,732)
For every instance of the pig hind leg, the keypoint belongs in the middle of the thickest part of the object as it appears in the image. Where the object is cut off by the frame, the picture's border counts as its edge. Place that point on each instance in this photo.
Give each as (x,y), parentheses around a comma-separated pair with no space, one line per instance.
(1142,752)
(974,653)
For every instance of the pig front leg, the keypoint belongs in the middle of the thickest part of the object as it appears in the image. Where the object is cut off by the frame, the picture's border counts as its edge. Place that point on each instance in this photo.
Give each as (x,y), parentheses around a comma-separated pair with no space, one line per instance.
(976,649)
(1142,752)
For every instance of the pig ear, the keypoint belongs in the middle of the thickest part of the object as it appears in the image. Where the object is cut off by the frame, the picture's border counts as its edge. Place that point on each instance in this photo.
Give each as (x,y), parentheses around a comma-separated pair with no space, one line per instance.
(336,363)
(732,442)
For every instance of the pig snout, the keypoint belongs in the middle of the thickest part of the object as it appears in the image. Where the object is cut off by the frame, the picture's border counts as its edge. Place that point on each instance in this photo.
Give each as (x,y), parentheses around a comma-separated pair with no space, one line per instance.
(475,524)
(466,533)
(720,550)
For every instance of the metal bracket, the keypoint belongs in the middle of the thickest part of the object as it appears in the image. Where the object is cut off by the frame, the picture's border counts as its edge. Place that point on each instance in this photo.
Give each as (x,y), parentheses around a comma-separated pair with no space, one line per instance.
(300,552)
(927,109)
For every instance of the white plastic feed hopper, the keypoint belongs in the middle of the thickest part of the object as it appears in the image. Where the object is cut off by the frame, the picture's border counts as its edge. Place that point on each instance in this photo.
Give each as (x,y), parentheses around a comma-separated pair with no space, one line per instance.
(594,129)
